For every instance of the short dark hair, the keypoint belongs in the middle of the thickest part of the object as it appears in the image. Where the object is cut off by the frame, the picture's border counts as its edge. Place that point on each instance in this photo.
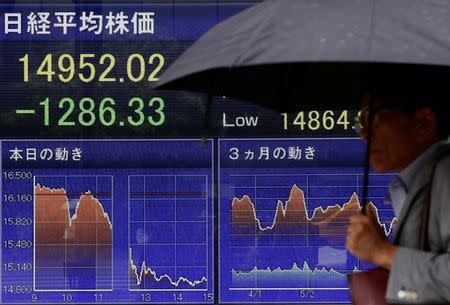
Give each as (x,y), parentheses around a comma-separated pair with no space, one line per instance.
(414,87)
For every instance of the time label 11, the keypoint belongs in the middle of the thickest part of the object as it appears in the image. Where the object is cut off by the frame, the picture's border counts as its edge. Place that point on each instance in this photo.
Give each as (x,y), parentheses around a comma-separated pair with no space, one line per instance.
(87,112)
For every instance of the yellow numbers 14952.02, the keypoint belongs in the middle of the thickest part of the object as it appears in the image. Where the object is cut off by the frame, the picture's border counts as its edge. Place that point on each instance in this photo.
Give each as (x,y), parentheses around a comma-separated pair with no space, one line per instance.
(89,67)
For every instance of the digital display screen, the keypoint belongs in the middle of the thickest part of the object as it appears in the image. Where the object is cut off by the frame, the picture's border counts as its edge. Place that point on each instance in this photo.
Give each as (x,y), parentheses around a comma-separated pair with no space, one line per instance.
(114,192)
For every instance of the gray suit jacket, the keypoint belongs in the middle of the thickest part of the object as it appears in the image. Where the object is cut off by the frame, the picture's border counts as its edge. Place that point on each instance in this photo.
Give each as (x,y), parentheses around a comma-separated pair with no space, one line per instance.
(417,276)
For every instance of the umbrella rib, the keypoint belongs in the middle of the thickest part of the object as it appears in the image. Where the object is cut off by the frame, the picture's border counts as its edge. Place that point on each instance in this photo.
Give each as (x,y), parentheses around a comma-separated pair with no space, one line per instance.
(372,26)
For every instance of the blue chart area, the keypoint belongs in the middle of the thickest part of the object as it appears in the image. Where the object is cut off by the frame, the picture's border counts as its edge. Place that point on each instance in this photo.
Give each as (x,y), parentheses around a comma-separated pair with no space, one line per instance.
(73,232)
(283,218)
(169,232)
(107,221)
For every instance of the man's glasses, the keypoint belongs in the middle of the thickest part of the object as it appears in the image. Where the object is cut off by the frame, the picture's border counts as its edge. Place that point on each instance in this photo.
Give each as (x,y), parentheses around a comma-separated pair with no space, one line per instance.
(361,121)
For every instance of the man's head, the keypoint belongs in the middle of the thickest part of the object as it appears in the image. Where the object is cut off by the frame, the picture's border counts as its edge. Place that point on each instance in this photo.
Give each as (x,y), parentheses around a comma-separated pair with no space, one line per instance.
(405,124)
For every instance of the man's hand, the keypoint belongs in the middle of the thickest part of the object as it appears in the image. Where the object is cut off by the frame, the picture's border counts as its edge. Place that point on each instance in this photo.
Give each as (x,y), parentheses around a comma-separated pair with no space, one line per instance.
(367,241)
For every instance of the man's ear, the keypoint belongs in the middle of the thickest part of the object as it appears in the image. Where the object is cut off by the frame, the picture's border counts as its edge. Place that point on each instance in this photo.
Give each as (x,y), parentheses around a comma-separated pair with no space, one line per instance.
(426,122)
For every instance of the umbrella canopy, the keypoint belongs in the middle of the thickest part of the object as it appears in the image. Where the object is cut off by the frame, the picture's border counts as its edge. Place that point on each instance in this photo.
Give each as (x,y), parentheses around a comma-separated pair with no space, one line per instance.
(322,54)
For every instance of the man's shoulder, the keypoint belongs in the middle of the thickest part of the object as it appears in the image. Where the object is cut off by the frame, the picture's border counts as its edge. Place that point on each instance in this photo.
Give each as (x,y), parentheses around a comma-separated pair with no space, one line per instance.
(443,162)
(436,165)
(442,156)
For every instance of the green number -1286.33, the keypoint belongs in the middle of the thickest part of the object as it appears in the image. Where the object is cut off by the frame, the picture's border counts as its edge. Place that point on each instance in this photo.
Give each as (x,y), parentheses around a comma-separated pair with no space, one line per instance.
(86,112)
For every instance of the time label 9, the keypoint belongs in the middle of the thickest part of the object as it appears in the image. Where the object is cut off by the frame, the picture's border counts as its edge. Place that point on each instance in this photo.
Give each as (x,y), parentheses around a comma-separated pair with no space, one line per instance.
(89,68)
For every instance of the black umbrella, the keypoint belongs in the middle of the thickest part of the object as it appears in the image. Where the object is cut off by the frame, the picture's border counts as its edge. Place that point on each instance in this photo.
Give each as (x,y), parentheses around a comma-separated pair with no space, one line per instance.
(321,54)
(304,54)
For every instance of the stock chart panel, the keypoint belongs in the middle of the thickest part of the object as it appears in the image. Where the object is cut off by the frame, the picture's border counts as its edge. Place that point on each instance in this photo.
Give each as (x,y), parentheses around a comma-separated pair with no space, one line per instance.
(67,206)
(284,209)
(114,192)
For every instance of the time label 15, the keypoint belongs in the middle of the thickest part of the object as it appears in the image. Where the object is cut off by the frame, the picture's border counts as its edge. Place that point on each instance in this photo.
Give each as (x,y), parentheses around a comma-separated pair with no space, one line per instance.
(87,112)
(93,68)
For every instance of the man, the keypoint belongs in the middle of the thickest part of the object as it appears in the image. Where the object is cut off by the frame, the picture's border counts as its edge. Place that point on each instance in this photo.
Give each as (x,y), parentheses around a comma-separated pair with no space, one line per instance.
(408,137)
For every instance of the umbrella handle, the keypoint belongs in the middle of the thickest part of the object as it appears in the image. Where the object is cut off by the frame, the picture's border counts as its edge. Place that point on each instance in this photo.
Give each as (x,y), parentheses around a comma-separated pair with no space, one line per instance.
(367,154)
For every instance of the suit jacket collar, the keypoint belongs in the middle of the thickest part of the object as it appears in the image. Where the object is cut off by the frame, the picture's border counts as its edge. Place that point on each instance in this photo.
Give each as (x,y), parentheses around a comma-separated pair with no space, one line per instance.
(422,178)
